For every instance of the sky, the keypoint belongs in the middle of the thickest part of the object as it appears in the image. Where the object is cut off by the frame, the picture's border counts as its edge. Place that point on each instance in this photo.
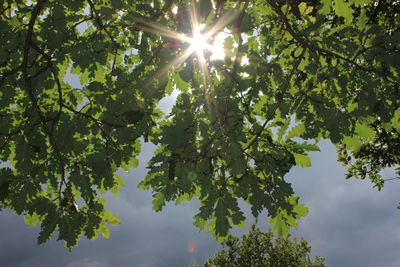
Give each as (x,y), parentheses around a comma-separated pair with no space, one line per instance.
(349,223)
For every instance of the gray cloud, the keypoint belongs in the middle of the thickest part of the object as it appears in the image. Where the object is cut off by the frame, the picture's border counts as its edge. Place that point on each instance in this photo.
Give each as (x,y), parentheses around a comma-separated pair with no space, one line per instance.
(349,222)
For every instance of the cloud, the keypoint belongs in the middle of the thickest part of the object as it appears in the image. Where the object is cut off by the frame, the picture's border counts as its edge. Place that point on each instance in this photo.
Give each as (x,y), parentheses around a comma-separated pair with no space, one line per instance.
(350,223)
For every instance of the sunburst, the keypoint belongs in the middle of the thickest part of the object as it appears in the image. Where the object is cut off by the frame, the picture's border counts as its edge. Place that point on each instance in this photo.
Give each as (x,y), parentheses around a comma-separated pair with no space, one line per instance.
(200,40)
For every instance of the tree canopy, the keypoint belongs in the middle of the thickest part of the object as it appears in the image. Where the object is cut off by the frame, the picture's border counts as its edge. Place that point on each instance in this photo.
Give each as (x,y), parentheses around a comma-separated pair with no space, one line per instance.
(260,249)
(286,75)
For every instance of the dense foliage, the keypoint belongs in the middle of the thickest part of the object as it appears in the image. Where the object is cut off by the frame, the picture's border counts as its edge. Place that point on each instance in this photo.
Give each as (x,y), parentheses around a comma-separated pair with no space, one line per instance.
(259,249)
(293,72)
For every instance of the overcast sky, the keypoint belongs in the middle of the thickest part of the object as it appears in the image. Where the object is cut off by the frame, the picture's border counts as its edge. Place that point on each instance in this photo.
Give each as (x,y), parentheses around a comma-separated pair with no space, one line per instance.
(350,223)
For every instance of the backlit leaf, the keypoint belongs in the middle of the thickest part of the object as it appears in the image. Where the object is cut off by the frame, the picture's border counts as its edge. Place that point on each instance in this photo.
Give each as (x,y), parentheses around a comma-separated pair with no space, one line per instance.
(343,9)
(302,160)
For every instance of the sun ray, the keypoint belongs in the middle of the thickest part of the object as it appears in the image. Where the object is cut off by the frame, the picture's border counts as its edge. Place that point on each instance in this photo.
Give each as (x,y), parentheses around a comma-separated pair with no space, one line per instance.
(153,27)
(175,62)
(226,18)
(194,20)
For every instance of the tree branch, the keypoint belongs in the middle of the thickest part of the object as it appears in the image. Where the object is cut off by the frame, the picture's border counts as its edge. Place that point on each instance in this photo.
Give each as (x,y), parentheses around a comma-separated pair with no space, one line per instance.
(29,89)
(99,123)
(55,76)
(390,179)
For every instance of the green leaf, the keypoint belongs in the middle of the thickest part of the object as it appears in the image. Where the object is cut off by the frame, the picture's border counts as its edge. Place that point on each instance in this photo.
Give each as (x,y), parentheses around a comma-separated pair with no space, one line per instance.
(396,120)
(48,226)
(130,164)
(170,87)
(109,218)
(186,74)
(181,84)
(246,24)
(100,74)
(221,219)
(344,10)
(364,131)
(304,9)
(205,7)
(301,210)
(326,7)
(352,143)
(104,231)
(285,220)
(158,201)
(296,131)
(282,129)
(118,183)
(183,198)
(279,225)
(302,160)
(32,219)
(228,43)
(133,116)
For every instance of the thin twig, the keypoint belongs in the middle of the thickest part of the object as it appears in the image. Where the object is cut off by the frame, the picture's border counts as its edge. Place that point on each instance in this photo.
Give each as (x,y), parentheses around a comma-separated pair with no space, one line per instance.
(390,179)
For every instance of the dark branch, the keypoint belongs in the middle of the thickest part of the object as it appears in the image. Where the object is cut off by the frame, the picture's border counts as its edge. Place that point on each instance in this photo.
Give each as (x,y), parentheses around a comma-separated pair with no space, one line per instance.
(390,179)
(29,89)
(55,75)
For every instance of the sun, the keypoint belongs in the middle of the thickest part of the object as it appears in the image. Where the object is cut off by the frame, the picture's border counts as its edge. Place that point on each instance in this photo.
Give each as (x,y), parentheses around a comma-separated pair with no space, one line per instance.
(199,40)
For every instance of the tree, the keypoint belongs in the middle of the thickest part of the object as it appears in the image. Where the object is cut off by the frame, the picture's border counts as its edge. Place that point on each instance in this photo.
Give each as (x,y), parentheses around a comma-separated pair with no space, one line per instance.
(291,73)
(260,249)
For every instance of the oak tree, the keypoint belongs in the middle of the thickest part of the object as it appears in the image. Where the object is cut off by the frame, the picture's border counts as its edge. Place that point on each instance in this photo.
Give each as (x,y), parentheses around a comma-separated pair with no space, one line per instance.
(259,82)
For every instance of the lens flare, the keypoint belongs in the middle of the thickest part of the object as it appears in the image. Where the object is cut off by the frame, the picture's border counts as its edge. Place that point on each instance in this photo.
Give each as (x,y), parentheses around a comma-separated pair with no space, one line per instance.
(191,247)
